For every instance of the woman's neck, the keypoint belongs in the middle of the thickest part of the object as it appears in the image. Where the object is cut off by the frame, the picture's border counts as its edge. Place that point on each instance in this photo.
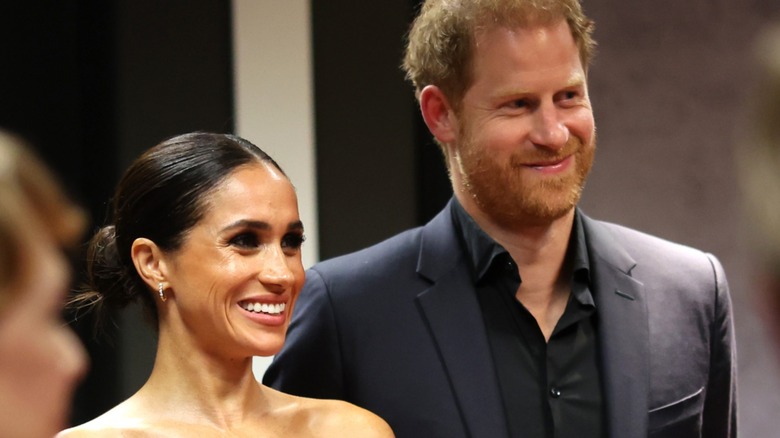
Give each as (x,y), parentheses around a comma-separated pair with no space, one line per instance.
(204,387)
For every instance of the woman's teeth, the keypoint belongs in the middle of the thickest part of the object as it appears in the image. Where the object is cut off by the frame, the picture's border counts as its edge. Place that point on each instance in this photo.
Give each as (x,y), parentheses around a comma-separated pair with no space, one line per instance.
(271,309)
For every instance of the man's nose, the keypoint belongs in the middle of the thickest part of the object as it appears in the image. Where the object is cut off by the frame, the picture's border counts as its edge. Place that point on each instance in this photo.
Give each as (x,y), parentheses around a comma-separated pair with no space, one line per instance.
(549,130)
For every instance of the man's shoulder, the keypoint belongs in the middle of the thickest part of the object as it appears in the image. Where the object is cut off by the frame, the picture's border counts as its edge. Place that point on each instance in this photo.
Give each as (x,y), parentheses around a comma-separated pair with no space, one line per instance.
(649,253)
(604,232)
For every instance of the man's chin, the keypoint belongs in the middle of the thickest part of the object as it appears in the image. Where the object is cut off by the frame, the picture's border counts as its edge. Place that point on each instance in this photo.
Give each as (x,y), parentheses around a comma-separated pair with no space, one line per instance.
(531,215)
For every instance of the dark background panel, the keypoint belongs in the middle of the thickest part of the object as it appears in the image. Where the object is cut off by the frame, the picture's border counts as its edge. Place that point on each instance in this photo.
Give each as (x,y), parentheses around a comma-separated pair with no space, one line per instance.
(174,71)
(364,118)
(173,75)
(57,91)
(92,83)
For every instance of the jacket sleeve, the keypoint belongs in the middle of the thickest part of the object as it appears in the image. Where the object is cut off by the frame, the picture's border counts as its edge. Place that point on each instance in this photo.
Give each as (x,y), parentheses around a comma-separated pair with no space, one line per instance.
(309,364)
(720,405)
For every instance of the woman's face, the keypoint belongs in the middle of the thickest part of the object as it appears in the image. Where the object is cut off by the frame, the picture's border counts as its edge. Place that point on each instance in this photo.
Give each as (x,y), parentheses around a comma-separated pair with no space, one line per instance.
(41,360)
(234,281)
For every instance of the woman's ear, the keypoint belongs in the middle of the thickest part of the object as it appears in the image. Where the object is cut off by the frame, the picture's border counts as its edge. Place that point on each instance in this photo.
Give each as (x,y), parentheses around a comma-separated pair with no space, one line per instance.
(149,261)
(438,114)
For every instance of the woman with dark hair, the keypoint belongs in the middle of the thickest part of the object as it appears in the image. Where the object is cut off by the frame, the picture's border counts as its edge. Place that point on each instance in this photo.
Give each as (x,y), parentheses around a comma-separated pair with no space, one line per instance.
(206,233)
(41,360)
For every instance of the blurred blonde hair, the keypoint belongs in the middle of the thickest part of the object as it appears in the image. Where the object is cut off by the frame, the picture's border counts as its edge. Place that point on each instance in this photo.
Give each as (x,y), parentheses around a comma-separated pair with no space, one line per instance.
(759,156)
(29,193)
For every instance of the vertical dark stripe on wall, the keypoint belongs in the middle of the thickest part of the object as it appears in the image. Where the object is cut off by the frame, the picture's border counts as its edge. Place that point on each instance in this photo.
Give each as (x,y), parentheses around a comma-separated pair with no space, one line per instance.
(173,75)
(374,174)
(174,70)
(97,173)
(92,83)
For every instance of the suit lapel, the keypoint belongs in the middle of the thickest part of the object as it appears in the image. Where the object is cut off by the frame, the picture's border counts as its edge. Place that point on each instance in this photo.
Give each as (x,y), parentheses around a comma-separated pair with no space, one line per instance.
(456,326)
(623,333)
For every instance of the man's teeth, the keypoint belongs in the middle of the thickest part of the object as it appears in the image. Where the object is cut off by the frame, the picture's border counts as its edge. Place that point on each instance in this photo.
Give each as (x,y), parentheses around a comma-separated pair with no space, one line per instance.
(271,309)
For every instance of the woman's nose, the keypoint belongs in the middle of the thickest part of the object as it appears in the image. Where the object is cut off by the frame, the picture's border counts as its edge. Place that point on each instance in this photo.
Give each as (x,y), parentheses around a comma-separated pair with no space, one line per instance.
(275,272)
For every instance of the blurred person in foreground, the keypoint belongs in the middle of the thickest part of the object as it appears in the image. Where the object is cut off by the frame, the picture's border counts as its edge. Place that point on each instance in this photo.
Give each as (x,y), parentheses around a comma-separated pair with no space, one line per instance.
(512,313)
(205,233)
(759,159)
(41,360)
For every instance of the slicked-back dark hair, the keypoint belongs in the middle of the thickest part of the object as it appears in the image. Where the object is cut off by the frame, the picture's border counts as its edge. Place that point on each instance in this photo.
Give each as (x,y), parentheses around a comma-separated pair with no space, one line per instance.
(161,196)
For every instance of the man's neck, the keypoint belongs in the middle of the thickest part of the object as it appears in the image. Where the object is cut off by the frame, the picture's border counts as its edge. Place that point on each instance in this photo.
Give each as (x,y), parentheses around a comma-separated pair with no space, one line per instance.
(540,254)
(530,243)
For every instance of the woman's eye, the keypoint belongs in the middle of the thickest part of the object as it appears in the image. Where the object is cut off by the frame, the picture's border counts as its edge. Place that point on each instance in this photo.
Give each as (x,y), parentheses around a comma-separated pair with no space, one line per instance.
(245,240)
(293,241)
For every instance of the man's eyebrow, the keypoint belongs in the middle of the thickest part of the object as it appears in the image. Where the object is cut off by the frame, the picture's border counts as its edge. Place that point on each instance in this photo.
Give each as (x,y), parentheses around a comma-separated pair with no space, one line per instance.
(575,80)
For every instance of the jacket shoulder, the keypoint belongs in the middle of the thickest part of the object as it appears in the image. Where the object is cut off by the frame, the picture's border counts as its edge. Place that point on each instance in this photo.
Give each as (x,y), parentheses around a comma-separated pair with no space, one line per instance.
(637,242)
(649,255)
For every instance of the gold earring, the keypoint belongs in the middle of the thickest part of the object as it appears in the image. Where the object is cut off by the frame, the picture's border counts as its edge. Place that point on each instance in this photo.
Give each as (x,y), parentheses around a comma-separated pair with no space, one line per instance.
(161,292)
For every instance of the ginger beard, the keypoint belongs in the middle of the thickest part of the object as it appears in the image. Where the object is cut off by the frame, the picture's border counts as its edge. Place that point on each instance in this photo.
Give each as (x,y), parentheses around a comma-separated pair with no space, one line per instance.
(505,192)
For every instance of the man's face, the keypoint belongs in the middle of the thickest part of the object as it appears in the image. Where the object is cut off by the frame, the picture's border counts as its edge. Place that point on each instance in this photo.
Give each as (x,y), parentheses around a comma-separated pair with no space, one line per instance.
(526,136)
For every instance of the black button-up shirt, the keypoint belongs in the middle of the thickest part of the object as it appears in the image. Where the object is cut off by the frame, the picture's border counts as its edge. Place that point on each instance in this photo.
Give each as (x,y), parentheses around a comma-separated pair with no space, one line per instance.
(550,389)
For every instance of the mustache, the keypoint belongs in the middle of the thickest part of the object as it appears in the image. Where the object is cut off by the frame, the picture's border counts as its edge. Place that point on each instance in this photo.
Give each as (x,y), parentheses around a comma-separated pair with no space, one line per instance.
(544,155)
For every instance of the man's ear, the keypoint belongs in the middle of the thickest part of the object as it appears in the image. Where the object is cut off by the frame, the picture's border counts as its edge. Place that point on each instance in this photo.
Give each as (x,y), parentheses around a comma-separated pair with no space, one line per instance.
(438,114)
(149,261)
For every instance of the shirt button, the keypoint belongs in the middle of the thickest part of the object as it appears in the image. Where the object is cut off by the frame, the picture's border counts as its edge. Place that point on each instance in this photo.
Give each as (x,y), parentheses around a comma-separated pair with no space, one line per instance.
(555,392)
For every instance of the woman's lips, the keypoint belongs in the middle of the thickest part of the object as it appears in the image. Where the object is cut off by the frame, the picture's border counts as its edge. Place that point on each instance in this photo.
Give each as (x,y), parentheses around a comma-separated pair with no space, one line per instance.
(266,313)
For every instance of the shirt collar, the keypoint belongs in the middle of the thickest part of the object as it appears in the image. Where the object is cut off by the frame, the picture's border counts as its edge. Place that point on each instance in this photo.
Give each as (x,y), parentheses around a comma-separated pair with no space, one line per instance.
(482,250)
(581,261)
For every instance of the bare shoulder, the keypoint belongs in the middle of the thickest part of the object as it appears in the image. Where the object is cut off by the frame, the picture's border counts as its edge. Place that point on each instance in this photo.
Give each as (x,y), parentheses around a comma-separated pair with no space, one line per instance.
(326,418)
(103,430)
(77,432)
(352,421)
(118,422)
(91,430)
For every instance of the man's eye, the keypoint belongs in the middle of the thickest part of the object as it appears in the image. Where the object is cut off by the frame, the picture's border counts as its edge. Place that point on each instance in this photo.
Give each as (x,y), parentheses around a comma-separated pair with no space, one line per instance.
(569,95)
(245,240)
(520,103)
(293,241)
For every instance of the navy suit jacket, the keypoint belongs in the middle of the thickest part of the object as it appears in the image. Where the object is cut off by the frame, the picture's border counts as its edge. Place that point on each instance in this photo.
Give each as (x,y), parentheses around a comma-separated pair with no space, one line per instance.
(397,329)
